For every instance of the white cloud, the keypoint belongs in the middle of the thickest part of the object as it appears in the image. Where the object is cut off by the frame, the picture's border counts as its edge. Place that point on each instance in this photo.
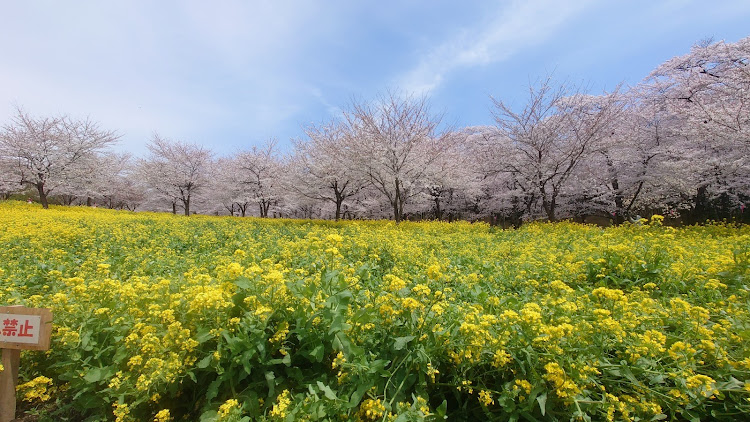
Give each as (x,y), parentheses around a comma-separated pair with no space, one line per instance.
(183,69)
(238,72)
(333,110)
(515,27)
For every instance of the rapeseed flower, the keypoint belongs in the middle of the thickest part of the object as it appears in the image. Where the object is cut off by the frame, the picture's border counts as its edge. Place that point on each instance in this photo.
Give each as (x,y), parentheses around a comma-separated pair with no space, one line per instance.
(151,301)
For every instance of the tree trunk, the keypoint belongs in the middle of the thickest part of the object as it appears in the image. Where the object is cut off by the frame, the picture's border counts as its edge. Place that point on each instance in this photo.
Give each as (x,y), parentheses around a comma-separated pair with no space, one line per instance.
(264,206)
(174,207)
(549,208)
(619,203)
(42,195)
(186,203)
(396,203)
(700,210)
(339,201)
(619,215)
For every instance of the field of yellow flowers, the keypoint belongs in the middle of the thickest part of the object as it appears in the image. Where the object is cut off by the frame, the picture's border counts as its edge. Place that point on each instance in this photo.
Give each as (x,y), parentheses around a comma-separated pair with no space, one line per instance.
(161,317)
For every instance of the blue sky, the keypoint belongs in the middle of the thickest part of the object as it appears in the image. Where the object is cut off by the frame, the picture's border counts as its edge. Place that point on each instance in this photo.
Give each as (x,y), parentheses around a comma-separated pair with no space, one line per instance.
(231,74)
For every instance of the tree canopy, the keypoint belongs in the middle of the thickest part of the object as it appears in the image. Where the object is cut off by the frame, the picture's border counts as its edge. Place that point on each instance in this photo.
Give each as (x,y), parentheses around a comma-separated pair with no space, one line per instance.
(677,143)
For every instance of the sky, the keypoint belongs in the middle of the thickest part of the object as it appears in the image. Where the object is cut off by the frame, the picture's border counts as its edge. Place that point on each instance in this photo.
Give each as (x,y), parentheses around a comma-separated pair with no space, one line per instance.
(230,74)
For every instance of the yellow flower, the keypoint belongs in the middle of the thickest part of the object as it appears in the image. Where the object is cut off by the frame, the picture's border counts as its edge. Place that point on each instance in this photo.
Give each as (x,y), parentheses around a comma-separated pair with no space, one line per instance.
(606,293)
(501,359)
(393,283)
(656,220)
(372,410)
(334,238)
(703,383)
(433,272)
(163,416)
(121,412)
(226,408)
(36,389)
(338,361)
(523,384)
(421,290)
(431,372)
(485,397)
(279,409)
(564,387)
(234,270)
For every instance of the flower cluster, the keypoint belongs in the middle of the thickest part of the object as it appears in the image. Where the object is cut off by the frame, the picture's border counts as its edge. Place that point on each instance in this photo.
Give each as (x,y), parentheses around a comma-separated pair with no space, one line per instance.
(159,317)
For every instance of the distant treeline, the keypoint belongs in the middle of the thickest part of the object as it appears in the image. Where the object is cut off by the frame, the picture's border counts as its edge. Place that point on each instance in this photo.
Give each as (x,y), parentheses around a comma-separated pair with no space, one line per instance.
(677,144)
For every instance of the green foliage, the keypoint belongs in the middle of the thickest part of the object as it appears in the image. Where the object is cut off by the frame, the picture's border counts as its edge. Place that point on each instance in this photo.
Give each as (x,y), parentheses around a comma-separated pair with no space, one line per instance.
(160,317)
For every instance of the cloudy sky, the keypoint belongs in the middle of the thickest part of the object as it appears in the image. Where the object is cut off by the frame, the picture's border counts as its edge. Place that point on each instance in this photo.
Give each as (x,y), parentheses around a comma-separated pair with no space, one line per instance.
(230,74)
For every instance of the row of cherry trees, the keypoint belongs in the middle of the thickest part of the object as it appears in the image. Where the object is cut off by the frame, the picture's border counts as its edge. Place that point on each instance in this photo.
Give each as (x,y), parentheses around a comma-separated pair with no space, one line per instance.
(677,143)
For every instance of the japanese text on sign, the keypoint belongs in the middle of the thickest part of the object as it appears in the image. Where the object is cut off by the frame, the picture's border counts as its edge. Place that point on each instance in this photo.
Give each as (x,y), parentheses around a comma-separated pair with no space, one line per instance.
(20,328)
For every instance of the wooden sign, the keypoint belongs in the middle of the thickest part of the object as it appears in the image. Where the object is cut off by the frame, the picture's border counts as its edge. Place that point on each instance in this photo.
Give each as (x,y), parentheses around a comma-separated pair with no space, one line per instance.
(20,328)
(25,328)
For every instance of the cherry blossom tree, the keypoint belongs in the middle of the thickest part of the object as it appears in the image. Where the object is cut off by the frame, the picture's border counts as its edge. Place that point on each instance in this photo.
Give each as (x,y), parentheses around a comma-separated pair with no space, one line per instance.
(393,143)
(227,187)
(176,171)
(642,162)
(9,184)
(505,196)
(47,153)
(260,171)
(452,183)
(83,184)
(544,142)
(710,89)
(117,186)
(319,169)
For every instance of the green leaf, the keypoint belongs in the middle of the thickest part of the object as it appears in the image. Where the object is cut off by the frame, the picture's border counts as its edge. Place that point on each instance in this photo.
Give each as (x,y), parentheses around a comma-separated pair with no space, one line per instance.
(247,368)
(86,341)
(209,416)
(243,283)
(338,324)
(327,391)
(442,410)
(271,381)
(401,342)
(203,363)
(356,397)
(542,400)
(528,416)
(94,375)
(294,373)
(317,353)
(213,389)
(203,336)
(89,401)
